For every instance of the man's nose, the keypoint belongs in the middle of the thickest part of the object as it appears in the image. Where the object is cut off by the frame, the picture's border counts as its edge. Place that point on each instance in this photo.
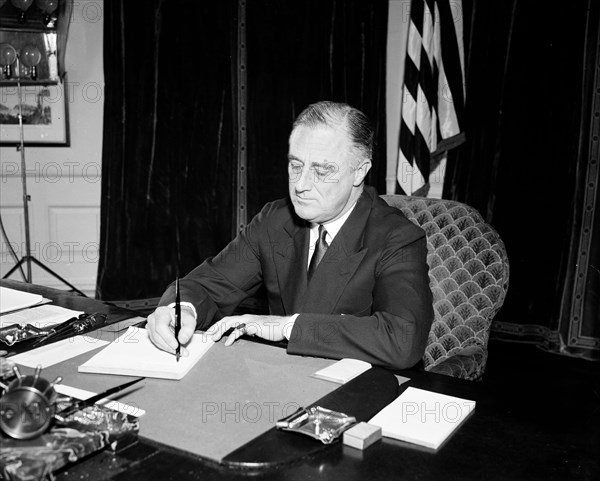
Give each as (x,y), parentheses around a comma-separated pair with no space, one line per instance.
(304,181)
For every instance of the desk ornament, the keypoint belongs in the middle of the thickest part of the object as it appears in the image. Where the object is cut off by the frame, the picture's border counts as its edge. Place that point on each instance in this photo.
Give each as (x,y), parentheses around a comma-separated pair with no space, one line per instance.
(72,327)
(41,432)
(317,422)
(17,333)
(14,333)
(27,405)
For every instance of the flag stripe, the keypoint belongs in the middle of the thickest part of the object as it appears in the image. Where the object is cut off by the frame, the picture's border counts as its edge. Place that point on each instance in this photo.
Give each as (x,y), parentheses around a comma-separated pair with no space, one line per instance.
(432,91)
(451,60)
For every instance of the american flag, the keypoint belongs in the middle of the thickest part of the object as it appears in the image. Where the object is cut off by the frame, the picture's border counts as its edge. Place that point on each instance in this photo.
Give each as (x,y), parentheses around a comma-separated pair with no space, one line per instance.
(433,95)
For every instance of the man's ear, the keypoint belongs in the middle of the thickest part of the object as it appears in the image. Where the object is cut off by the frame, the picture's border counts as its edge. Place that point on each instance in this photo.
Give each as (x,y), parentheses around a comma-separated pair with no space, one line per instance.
(361,171)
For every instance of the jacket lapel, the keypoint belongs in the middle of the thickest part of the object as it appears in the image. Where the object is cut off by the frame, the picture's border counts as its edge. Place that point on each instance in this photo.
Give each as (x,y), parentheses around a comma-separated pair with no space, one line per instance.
(340,261)
(291,259)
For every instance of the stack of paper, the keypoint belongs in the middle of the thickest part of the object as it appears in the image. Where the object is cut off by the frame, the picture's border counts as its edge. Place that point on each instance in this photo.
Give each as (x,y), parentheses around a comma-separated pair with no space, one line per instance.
(343,371)
(423,417)
(11,300)
(56,352)
(133,354)
(41,316)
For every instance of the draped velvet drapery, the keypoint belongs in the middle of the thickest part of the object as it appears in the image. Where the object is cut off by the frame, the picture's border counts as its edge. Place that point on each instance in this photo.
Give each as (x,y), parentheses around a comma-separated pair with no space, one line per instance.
(168,150)
(303,52)
(530,162)
(169,174)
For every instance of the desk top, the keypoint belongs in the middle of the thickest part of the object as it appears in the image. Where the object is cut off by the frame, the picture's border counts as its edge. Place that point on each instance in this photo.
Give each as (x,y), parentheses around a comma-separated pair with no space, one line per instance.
(72,301)
(231,396)
(538,431)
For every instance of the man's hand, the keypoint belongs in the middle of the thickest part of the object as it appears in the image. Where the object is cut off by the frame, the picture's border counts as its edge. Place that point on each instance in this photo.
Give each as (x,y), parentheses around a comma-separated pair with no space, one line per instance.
(271,328)
(161,328)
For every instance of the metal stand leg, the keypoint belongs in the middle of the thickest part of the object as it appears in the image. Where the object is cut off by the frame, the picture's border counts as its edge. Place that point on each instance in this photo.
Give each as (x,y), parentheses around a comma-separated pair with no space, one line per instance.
(27,259)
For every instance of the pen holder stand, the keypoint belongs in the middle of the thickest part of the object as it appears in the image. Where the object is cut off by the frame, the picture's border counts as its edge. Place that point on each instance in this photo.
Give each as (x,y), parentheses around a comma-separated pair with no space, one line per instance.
(27,405)
(83,433)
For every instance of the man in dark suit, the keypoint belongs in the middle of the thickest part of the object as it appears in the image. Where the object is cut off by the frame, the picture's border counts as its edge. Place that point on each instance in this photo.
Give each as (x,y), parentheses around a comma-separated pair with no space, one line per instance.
(345,274)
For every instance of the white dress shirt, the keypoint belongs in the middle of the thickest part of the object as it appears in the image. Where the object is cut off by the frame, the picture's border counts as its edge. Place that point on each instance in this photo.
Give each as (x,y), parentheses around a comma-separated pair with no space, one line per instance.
(332,229)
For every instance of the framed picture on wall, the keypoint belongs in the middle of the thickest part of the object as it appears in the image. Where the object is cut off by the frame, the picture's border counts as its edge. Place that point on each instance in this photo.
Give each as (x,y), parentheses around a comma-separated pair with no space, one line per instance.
(45,115)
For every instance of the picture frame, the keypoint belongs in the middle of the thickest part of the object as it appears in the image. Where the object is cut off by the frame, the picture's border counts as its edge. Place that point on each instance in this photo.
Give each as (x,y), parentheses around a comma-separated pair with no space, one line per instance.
(45,115)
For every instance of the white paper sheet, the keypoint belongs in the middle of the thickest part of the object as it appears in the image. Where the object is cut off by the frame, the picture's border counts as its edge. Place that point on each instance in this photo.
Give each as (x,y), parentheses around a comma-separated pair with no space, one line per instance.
(11,299)
(41,316)
(58,351)
(133,354)
(343,371)
(423,417)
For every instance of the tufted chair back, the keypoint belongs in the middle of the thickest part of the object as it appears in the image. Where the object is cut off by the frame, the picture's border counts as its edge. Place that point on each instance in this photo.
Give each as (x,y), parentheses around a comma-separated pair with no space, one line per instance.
(468,276)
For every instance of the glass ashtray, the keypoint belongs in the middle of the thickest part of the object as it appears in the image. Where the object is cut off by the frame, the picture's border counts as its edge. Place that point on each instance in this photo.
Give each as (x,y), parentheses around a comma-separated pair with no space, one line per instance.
(317,422)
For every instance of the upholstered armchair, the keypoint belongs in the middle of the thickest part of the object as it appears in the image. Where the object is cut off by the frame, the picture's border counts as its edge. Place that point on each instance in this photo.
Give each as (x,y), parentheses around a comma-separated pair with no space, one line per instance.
(468,273)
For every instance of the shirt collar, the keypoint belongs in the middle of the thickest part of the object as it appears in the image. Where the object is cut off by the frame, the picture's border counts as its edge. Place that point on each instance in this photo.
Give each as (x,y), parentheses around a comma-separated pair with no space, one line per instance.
(332,227)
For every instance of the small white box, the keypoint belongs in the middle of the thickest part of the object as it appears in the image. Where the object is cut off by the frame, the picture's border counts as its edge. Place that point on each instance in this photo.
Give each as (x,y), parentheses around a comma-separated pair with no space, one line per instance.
(362,435)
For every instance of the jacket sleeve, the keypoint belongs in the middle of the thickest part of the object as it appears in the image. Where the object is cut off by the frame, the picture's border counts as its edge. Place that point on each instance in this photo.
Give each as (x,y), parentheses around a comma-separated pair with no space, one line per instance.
(394,334)
(218,285)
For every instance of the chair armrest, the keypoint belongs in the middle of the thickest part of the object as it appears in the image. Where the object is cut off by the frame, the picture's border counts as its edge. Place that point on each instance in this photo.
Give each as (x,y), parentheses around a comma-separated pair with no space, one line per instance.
(463,366)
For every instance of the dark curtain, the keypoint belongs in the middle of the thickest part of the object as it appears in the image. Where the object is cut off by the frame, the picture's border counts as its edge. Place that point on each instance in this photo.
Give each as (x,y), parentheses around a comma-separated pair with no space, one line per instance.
(300,53)
(168,150)
(170,154)
(529,71)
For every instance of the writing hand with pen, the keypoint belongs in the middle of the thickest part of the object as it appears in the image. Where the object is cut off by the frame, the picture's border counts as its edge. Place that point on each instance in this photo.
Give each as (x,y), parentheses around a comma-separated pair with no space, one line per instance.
(161,329)
(170,327)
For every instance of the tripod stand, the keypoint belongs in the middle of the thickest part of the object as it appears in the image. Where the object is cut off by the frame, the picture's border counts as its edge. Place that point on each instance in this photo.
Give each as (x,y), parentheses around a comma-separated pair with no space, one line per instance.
(28,259)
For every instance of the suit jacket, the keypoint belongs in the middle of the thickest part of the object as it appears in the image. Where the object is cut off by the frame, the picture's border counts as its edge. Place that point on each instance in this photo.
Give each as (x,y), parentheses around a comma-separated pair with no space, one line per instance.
(369,298)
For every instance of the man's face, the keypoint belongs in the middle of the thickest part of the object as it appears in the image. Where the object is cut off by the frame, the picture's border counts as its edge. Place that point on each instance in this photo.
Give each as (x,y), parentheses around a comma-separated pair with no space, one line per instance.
(322,181)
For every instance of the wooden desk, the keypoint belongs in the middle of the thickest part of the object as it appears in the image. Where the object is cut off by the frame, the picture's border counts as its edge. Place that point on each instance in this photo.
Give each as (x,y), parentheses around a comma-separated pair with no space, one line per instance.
(72,301)
(537,432)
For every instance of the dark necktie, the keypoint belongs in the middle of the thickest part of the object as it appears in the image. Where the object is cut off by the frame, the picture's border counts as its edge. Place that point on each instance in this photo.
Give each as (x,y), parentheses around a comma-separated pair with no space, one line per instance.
(320,249)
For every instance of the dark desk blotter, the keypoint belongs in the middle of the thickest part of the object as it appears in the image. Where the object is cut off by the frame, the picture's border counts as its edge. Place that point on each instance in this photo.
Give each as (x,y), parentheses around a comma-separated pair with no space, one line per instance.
(82,434)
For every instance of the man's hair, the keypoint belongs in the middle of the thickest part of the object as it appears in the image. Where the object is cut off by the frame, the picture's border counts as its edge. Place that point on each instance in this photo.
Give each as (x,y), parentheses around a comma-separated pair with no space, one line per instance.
(340,116)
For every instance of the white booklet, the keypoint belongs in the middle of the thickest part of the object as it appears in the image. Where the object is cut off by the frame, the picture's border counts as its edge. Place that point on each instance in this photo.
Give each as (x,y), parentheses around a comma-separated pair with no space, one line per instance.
(343,371)
(11,299)
(133,354)
(423,417)
(56,352)
(40,316)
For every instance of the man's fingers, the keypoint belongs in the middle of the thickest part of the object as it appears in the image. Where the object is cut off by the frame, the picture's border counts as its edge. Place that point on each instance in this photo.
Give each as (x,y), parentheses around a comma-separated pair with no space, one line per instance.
(160,329)
(188,326)
(234,336)
(165,336)
(217,330)
(213,331)
(252,329)
(160,343)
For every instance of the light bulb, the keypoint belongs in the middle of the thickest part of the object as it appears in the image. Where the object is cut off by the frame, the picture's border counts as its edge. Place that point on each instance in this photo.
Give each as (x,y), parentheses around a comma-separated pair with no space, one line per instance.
(8,55)
(22,5)
(30,57)
(47,6)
